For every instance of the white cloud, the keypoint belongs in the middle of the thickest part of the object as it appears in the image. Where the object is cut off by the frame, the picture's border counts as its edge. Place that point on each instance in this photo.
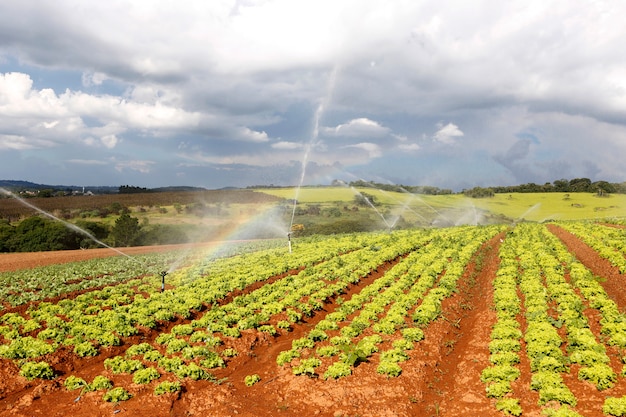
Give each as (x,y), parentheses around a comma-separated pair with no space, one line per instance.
(87,162)
(409,147)
(248,135)
(90,79)
(109,141)
(372,150)
(264,159)
(143,167)
(447,134)
(20,143)
(361,127)
(285,145)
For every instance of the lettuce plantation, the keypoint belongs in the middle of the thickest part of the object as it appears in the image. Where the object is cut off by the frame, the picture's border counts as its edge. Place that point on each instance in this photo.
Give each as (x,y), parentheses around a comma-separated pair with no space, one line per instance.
(474,320)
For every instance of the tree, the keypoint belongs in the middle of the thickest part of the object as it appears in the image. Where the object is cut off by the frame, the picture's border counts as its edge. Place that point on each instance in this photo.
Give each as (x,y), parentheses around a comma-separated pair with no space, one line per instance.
(479,192)
(96,229)
(581,185)
(38,234)
(126,230)
(6,235)
(364,199)
(561,185)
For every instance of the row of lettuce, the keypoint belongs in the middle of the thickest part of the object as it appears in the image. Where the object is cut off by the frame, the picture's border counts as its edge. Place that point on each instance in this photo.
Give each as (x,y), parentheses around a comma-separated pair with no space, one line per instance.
(316,272)
(402,302)
(29,285)
(381,323)
(538,276)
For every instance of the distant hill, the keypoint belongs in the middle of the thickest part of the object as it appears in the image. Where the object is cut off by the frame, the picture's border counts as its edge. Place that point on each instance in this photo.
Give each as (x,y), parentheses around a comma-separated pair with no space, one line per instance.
(18,185)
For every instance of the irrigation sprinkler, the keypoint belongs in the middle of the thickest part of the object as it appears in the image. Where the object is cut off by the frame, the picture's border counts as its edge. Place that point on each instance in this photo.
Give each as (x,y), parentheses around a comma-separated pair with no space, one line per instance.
(289,241)
(163,274)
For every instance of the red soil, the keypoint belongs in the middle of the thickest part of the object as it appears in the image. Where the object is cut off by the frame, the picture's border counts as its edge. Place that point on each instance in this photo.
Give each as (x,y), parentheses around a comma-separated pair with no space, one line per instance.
(15,261)
(443,379)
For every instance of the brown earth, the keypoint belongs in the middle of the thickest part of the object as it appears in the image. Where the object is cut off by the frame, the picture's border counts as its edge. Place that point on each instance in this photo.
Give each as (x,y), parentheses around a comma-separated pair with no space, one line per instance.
(16,261)
(443,379)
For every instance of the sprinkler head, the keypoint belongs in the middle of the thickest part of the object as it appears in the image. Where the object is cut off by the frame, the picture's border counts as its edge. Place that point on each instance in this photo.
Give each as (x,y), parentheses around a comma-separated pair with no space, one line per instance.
(163,273)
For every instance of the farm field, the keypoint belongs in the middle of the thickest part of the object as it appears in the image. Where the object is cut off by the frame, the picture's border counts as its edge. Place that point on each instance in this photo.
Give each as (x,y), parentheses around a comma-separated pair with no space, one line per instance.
(524,319)
(457,207)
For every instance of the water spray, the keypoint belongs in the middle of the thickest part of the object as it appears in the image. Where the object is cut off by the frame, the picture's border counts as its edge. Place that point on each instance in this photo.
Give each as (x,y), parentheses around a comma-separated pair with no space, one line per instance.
(69,225)
(313,140)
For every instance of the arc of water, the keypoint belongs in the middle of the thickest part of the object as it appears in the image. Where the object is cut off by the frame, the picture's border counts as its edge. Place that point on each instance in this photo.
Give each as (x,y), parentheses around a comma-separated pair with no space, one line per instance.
(319,111)
(67,224)
(530,210)
(405,206)
(372,206)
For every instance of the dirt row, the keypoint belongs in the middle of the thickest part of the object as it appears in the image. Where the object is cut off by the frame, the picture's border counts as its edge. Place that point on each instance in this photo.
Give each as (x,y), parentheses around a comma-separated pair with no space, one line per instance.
(28,260)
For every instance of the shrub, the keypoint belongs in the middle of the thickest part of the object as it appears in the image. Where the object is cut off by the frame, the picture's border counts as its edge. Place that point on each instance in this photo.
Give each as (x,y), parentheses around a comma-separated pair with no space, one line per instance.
(389,368)
(250,380)
(99,383)
(193,371)
(414,334)
(145,376)
(167,387)
(152,356)
(85,349)
(287,356)
(72,382)
(119,365)
(284,324)
(116,395)
(25,347)
(338,370)
(32,370)
(212,360)
(139,349)
(615,406)
(229,352)
(182,330)
(176,345)
(327,351)
(307,366)
(509,406)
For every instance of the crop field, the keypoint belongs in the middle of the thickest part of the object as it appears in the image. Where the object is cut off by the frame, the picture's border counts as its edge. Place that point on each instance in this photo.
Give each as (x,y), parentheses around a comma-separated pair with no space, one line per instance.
(515,206)
(524,319)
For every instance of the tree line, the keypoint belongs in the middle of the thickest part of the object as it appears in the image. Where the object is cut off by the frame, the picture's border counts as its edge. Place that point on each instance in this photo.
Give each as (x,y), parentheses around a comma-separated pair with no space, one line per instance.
(576,185)
(38,233)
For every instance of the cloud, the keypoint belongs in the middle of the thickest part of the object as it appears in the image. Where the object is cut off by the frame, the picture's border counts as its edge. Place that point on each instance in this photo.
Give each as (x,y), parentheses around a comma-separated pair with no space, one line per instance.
(285,145)
(249,81)
(409,147)
(143,167)
(87,162)
(361,127)
(93,78)
(109,141)
(372,150)
(21,143)
(248,135)
(447,134)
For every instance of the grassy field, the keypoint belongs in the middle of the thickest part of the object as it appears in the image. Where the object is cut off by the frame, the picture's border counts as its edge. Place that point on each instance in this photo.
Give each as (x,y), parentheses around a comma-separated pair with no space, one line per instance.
(456,207)
(269,212)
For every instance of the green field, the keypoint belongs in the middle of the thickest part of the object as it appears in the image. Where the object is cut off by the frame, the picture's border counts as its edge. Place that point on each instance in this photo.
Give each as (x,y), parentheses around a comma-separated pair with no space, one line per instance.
(462,209)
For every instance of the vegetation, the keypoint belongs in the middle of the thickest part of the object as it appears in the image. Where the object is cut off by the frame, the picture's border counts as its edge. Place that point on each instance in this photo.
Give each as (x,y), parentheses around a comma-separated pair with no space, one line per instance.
(135,216)
(542,299)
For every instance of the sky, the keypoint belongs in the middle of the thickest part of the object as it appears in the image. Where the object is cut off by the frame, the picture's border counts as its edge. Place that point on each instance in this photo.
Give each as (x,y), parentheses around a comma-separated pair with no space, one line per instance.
(237,93)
